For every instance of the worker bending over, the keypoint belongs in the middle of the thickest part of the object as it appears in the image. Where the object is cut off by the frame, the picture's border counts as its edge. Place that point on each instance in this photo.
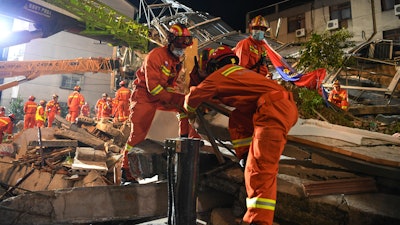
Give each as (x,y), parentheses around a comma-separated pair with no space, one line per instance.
(264,113)
(154,89)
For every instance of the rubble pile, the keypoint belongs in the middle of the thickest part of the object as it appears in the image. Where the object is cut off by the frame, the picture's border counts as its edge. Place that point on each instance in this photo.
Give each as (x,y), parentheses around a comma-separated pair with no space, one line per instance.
(67,155)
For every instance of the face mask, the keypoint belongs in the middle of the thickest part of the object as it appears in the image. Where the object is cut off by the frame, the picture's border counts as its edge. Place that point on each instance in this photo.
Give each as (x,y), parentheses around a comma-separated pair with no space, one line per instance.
(178,52)
(258,34)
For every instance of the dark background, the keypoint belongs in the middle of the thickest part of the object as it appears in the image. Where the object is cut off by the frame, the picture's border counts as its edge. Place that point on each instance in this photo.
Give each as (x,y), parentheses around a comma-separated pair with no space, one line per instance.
(233,12)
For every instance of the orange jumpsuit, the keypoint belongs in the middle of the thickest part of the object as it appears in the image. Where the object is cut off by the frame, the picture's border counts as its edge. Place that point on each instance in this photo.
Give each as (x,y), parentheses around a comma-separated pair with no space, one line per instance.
(85,110)
(339,98)
(154,89)
(52,108)
(273,113)
(6,126)
(40,116)
(99,106)
(250,51)
(75,102)
(106,110)
(30,112)
(122,95)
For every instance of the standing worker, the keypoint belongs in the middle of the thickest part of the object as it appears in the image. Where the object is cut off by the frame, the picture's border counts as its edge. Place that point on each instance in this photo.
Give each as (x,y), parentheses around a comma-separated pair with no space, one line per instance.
(85,110)
(75,102)
(273,112)
(122,96)
(40,116)
(52,108)
(107,109)
(2,111)
(252,51)
(30,112)
(154,89)
(338,96)
(99,105)
(6,126)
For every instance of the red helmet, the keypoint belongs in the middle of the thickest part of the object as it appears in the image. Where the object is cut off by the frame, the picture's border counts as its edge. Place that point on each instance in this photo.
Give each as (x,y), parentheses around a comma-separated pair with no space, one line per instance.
(180,36)
(204,57)
(31,98)
(12,116)
(122,83)
(77,88)
(259,22)
(222,56)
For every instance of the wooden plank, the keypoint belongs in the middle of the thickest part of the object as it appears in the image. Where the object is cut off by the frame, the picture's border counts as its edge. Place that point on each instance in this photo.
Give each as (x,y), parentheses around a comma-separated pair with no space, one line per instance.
(340,186)
(87,138)
(358,155)
(55,143)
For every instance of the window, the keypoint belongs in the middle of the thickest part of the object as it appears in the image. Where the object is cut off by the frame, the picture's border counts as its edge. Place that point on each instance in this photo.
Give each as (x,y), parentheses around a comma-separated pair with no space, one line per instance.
(342,12)
(393,35)
(296,22)
(389,4)
(70,81)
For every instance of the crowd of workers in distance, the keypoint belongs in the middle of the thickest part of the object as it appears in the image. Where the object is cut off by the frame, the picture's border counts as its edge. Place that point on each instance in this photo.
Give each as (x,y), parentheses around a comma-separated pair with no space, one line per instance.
(264,111)
(43,114)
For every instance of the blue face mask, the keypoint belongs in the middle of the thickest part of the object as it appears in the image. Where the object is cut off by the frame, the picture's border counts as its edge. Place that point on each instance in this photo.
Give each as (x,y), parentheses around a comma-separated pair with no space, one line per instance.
(178,52)
(257,34)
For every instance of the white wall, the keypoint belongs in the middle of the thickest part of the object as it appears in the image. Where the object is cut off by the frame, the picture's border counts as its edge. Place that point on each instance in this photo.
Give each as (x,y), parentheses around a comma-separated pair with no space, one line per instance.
(62,45)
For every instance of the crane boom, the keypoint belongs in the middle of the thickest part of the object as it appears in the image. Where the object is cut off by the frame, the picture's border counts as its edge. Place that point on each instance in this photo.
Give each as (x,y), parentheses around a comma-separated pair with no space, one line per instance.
(34,69)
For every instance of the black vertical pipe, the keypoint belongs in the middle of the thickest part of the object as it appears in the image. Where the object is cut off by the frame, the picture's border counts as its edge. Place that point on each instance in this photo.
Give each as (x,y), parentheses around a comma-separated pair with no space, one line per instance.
(183,190)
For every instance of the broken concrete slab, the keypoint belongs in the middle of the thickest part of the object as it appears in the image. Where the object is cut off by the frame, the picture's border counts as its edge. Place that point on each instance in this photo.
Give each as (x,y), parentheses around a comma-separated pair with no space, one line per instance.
(87,205)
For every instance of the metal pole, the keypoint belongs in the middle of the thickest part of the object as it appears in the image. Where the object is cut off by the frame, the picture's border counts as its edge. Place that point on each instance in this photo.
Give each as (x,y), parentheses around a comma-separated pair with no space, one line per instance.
(183,174)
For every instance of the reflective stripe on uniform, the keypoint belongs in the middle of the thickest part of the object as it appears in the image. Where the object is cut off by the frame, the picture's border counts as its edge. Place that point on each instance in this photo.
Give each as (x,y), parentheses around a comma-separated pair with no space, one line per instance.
(254,50)
(181,115)
(156,90)
(242,142)
(261,203)
(231,70)
(188,108)
(4,121)
(128,148)
(165,71)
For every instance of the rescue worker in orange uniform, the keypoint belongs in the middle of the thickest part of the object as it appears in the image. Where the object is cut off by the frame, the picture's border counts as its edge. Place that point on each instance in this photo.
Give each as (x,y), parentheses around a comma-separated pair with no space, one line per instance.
(75,102)
(85,110)
(40,116)
(252,51)
(338,96)
(52,109)
(264,113)
(99,105)
(30,112)
(154,89)
(6,126)
(122,96)
(107,109)
(2,111)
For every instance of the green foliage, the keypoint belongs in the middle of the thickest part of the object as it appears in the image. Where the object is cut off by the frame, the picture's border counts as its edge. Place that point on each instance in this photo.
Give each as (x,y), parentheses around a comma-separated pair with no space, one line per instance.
(309,101)
(17,108)
(325,50)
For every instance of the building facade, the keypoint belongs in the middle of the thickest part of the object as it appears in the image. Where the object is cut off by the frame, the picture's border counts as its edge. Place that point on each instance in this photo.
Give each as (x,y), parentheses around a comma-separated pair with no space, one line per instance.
(365,19)
(60,46)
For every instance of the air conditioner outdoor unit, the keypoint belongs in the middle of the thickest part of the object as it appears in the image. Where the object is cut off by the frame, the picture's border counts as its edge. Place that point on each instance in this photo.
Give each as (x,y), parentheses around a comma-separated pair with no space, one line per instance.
(332,24)
(397,10)
(301,32)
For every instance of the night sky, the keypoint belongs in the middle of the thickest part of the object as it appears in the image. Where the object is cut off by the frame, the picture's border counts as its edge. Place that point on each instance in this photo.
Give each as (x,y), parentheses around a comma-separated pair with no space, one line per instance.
(233,12)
